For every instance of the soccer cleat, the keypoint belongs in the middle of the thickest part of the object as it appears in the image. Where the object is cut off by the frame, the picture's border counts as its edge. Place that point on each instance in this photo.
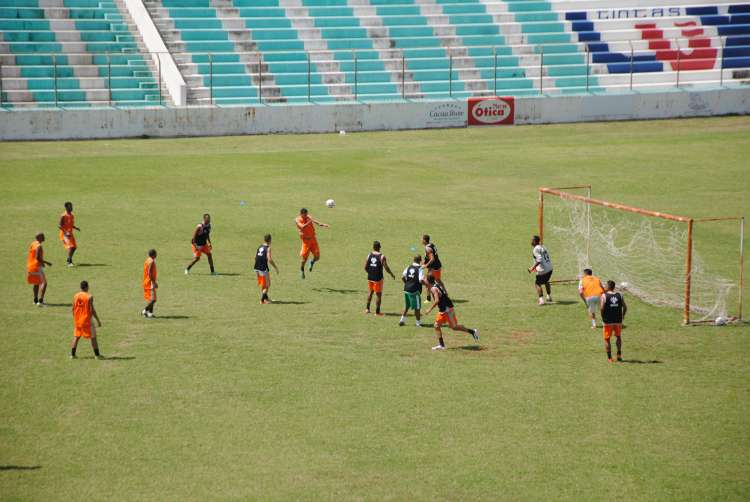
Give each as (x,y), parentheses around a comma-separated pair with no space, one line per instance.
(540,301)
(438,347)
(367,311)
(72,357)
(187,272)
(549,299)
(214,273)
(40,304)
(149,315)
(401,322)
(99,357)
(302,273)
(619,359)
(610,359)
(143,312)
(71,264)
(379,314)
(418,324)
(475,334)
(311,265)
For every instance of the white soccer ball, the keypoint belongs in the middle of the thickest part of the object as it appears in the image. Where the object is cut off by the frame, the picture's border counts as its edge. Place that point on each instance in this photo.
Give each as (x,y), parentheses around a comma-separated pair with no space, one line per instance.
(624,285)
(342,132)
(720,321)
(331,203)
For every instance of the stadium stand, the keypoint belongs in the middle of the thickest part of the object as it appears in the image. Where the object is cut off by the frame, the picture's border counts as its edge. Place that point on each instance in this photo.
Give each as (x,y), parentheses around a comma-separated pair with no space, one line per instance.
(292,51)
(71,53)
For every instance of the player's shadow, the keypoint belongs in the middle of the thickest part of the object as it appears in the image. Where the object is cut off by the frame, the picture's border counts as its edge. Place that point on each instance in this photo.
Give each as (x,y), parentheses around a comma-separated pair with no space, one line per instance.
(118,358)
(92,265)
(172,317)
(58,304)
(226,274)
(642,361)
(287,302)
(455,300)
(471,348)
(339,291)
(560,302)
(19,467)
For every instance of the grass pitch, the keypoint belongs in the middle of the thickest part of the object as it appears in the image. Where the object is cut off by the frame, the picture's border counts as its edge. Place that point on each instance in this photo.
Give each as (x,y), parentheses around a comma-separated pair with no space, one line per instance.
(220,397)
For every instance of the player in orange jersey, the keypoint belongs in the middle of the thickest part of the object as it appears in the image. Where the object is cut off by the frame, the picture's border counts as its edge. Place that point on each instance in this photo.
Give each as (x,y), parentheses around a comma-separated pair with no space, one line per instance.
(590,289)
(83,324)
(35,263)
(202,244)
(306,230)
(66,226)
(149,283)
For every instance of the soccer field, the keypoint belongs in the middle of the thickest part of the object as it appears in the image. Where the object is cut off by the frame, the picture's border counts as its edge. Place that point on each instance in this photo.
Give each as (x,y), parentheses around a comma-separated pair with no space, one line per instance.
(220,397)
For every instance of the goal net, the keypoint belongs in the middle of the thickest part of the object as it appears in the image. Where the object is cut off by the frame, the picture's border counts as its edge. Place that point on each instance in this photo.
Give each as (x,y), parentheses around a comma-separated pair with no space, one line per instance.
(666,260)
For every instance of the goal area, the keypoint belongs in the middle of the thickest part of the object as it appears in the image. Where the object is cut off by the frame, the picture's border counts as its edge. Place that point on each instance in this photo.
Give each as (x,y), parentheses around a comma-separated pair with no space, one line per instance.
(692,264)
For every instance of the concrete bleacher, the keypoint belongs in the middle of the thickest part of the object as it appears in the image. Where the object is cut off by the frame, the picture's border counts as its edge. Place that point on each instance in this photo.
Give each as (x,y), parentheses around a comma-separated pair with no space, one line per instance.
(71,53)
(294,51)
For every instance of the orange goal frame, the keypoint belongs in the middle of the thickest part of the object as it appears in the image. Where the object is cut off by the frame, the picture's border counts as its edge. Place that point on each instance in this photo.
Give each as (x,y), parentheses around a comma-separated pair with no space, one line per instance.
(690,222)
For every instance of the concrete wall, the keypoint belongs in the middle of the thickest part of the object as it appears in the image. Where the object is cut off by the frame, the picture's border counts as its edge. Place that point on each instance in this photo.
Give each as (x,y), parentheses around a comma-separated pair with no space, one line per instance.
(213,121)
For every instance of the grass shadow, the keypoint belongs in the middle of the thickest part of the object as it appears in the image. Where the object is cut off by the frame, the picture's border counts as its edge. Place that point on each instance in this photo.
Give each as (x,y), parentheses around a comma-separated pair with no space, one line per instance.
(58,304)
(19,467)
(287,302)
(339,291)
(641,361)
(92,264)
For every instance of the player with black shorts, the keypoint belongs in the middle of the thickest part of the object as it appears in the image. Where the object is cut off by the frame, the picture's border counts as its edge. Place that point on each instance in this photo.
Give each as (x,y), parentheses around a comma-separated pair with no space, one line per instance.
(543,268)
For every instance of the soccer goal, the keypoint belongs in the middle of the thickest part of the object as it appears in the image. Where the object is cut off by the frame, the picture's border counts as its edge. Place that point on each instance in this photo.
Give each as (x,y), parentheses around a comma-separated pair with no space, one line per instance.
(694,264)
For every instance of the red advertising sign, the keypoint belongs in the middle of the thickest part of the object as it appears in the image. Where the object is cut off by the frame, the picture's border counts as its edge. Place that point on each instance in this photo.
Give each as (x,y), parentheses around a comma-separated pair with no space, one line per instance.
(491,111)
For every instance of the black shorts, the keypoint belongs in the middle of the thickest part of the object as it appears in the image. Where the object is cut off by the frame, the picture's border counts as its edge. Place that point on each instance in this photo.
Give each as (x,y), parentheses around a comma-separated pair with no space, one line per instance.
(543,278)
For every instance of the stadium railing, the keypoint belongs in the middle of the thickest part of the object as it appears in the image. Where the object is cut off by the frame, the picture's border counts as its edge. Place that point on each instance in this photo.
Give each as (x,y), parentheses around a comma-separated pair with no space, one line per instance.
(214,81)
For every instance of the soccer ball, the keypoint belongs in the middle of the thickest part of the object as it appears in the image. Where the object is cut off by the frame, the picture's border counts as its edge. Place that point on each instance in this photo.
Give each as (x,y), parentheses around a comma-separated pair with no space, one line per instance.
(720,321)
(331,203)
(624,285)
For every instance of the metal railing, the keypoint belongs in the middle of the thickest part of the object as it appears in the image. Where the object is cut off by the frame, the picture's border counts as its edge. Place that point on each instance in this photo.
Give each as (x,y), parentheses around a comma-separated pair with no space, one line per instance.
(370,75)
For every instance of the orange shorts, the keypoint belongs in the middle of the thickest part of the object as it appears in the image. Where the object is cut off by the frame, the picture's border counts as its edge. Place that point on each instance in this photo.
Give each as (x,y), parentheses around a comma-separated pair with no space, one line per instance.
(310,246)
(436,274)
(448,317)
(375,286)
(612,329)
(149,294)
(264,279)
(68,241)
(205,249)
(35,278)
(86,331)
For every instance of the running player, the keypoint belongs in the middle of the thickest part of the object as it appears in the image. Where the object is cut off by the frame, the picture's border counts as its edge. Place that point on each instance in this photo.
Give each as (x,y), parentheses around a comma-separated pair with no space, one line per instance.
(201,243)
(35,263)
(83,324)
(413,278)
(263,273)
(66,226)
(590,289)
(543,267)
(374,265)
(431,262)
(149,283)
(305,226)
(446,314)
(613,310)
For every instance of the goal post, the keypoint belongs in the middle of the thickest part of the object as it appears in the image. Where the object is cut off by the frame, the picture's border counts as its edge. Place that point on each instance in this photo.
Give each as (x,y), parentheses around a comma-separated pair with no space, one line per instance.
(654,253)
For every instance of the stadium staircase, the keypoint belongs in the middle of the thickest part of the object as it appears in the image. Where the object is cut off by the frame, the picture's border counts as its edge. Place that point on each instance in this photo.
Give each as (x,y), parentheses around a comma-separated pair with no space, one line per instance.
(72,53)
(295,51)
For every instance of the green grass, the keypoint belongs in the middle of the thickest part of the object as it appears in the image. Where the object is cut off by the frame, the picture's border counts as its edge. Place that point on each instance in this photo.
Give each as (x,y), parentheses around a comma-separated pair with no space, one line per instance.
(222,398)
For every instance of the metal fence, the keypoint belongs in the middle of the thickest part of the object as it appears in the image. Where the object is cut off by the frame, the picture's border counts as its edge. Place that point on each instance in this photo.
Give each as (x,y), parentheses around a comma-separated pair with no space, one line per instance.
(373,74)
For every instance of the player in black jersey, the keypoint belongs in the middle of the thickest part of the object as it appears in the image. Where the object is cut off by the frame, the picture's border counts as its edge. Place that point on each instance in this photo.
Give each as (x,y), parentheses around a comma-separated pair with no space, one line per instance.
(262,259)
(613,310)
(431,262)
(413,278)
(446,314)
(201,242)
(374,266)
